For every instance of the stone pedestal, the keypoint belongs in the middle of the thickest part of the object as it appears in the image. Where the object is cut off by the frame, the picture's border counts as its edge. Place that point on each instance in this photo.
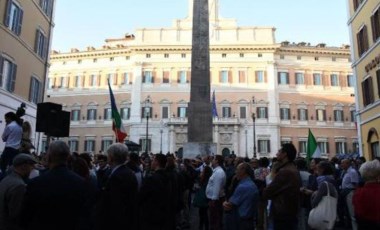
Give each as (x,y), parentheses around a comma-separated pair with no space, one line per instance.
(192,150)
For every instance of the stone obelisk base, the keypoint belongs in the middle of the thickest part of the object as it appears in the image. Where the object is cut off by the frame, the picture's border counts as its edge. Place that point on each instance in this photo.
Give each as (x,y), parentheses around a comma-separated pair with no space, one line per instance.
(192,150)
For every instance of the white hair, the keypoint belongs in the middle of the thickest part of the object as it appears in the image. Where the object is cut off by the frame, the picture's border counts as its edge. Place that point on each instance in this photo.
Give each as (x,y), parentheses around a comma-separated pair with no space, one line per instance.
(370,170)
(119,152)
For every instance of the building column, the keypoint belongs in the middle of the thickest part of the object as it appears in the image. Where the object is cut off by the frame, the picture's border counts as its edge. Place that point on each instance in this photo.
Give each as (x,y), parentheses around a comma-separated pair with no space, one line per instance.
(171,140)
(216,139)
(235,140)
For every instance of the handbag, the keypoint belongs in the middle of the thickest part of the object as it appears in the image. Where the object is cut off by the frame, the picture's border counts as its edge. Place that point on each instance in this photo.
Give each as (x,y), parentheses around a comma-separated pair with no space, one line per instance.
(323,216)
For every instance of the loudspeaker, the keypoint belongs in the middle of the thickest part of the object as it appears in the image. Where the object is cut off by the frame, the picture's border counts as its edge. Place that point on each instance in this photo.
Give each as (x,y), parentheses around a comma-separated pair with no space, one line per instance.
(52,120)
(59,124)
(44,113)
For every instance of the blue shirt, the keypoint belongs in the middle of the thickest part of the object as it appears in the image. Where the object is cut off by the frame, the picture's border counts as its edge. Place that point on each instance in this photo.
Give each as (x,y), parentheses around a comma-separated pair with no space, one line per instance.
(245,198)
(12,135)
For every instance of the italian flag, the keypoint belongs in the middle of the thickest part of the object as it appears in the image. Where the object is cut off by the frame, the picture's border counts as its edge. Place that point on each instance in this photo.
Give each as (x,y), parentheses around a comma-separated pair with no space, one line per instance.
(117,125)
(313,150)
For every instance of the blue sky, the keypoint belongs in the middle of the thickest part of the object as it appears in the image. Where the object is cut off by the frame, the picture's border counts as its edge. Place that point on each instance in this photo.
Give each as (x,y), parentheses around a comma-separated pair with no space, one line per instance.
(82,23)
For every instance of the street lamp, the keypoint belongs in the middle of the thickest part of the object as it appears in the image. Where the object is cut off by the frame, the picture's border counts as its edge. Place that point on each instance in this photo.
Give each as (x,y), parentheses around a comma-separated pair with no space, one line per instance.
(146,110)
(246,143)
(254,128)
(161,131)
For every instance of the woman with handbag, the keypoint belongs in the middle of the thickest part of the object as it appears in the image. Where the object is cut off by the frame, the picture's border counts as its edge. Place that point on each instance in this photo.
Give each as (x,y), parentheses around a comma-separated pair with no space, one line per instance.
(324,200)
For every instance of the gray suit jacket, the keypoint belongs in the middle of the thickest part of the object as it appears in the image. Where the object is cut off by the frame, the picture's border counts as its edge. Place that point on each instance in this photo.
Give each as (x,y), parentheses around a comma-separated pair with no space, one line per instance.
(12,191)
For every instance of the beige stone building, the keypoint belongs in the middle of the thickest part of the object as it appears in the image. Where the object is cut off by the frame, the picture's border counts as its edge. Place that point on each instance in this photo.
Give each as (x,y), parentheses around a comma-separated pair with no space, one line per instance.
(25,34)
(289,87)
(364,25)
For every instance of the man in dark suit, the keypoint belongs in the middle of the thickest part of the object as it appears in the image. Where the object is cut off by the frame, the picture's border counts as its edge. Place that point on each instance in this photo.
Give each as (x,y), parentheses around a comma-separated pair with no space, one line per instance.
(155,198)
(58,199)
(117,204)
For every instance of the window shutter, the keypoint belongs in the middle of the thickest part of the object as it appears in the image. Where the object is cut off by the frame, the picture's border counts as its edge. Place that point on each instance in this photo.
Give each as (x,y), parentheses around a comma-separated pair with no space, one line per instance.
(88,114)
(1,70)
(327,147)
(99,79)
(150,112)
(265,77)
(337,147)
(178,111)
(152,79)
(289,115)
(102,146)
(287,78)
(229,111)
(375,31)
(122,113)
(19,21)
(220,76)
(85,145)
(268,146)
(31,89)
(342,116)
(153,76)
(307,114)
(324,115)
(258,112)
(256,76)
(7,15)
(279,78)
(281,114)
(115,79)
(178,76)
(188,76)
(143,112)
(335,115)
(299,114)
(259,146)
(12,81)
(230,77)
(130,78)
(45,48)
(105,115)
(143,78)
(266,112)
(36,40)
(345,147)
(365,38)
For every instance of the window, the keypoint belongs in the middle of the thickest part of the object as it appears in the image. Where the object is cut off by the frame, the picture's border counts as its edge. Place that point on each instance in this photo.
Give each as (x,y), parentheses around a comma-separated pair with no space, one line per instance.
(300,79)
(77,81)
(13,17)
(73,145)
(146,111)
(166,77)
(95,60)
(367,90)
(226,112)
(35,90)
(223,76)
(350,80)
(353,117)
(51,83)
(264,146)
(302,115)
(125,113)
(224,55)
(243,112)
(242,76)
(333,59)
(93,80)
(284,113)
(323,146)
(321,115)
(362,40)
(334,79)
(283,78)
(182,112)
(47,7)
(89,145)
(316,58)
(262,112)
(147,77)
(166,55)
(62,82)
(127,57)
(165,112)
(357,4)
(260,55)
(44,145)
(105,144)
(282,57)
(126,79)
(112,78)
(259,76)
(241,55)
(79,61)
(299,57)
(91,114)
(317,79)
(41,44)
(302,146)
(338,115)
(340,147)
(375,149)
(8,71)
(183,55)
(378,81)
(75,115)
(182,78)
(375,22)
(112,58)
(147,55)
(107,114)
(145,144)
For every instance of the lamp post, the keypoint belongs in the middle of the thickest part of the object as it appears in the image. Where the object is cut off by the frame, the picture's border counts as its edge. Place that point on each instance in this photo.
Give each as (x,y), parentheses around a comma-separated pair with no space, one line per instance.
(246,143)
(146,110)
(254,127)
(161,131)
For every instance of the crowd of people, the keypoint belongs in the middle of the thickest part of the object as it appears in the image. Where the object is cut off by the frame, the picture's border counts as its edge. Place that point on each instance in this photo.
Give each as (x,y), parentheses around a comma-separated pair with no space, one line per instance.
(121,190)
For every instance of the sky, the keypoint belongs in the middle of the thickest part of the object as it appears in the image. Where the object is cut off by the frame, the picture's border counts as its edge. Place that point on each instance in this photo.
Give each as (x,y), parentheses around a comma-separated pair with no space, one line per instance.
(82,23)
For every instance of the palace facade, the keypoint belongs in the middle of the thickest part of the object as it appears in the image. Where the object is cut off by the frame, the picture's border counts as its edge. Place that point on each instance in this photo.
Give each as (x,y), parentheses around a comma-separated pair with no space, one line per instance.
(286,87)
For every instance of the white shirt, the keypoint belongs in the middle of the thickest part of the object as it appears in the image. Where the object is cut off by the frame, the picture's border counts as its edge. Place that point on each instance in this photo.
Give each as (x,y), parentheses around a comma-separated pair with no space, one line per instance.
(216,183)
(12,135)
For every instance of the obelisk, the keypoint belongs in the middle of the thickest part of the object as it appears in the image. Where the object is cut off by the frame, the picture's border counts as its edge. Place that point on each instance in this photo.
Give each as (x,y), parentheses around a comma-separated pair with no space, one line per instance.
(199,108)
